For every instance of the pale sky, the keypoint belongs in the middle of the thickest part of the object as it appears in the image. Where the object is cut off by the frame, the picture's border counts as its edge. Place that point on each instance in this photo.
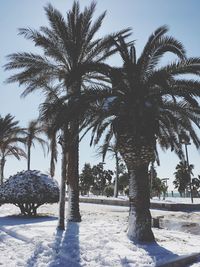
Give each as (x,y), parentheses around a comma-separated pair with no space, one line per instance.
(144,16)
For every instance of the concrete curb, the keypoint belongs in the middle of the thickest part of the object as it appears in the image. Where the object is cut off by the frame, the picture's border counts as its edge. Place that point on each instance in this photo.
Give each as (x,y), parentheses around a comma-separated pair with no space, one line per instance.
(180,261)
(154,205)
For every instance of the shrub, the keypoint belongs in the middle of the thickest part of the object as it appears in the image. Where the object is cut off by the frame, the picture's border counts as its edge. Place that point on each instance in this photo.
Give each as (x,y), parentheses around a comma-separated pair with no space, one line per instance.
(28,190)
(126,191)
(109,191)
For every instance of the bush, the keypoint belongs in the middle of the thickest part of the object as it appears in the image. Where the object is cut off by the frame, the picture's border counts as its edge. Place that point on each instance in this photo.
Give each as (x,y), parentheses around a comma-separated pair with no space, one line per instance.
(28,190)
(109,191)
(126,191)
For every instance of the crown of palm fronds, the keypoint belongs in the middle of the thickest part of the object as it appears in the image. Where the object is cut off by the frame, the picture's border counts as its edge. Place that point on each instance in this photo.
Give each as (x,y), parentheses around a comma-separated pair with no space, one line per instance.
(147,99)
(67,45)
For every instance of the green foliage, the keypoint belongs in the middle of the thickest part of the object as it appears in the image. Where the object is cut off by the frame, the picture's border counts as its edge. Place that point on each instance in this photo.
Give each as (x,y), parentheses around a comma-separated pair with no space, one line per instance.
(158,187)
(28,190)
(86,180)
(126,191)
(94,178)
(109,191)
(31,135)
(182,176)
(196,186)
(10,137)
(102,178)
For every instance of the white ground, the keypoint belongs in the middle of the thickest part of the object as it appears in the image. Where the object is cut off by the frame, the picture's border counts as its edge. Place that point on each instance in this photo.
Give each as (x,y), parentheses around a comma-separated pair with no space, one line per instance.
(186,200)
(99,240)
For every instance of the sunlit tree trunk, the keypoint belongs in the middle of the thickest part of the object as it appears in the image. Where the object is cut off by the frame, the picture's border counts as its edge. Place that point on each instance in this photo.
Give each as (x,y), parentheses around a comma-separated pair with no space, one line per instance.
(52,160)
(73,164)
(117,175)
(64,145)
(73,175)
(28,157)
(139,225)
(2,164)
(137,158)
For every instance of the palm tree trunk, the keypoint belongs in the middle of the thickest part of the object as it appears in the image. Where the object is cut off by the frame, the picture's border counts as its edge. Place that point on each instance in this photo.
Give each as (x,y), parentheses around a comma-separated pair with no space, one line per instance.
(137,156)
(73,164)
(117,176)
(52,161)
(2,164)
(73,174)
(139,225)
(29,157)
(61,219)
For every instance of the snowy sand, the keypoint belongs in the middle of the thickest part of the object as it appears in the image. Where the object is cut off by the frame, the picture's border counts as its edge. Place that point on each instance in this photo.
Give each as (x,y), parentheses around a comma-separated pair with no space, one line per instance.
(99,240)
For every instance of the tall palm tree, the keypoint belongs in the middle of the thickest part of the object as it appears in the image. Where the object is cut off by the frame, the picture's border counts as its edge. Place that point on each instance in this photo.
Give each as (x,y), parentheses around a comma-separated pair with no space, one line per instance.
(147,104)
(31,134)
(68,48)
(53,112)
(10,136)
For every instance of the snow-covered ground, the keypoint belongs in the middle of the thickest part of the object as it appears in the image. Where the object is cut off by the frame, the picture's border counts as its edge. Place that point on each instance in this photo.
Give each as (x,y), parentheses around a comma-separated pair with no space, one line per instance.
(185,200)
(99,240)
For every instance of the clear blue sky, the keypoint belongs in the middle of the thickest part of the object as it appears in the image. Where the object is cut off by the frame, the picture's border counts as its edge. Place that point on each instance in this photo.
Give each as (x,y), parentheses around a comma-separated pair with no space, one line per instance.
(144,16)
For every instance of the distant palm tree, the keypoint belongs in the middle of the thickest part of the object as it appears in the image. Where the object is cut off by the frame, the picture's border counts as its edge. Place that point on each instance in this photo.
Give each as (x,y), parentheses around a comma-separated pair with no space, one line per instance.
(31,135)
(10,136)
(52,136)
(112,148)
(71,57)
(182,176)
(148,103)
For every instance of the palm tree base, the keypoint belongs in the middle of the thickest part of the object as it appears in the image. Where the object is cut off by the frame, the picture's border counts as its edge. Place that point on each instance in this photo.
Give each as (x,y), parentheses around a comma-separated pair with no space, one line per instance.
(139,226)
(73,214)
(61,227)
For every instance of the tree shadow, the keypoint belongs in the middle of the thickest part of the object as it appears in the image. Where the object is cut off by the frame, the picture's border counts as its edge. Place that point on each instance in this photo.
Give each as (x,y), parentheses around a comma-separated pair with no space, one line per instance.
(66,247)
(19,219)
(64,250)
(159,254)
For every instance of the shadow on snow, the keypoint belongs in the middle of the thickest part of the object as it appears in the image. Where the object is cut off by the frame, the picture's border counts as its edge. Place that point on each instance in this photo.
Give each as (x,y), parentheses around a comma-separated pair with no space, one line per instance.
(66,247)
(158,254)
(19,219)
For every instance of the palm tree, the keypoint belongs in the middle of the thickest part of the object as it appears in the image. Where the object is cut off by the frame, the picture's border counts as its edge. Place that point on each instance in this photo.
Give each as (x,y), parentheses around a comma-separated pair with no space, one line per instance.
(10,136)
(52,136)
(112,148)
(69,49)
(53,113)
(31,135)
(147,104)
(182,176)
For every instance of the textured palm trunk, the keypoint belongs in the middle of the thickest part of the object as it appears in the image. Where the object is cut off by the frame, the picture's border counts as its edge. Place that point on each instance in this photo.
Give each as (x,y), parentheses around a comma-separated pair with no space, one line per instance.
(73,174)
(52,161)
(61,220)
(2,164)
(137,157)
(139,225)
(73,165)
(29,157)
(117,176)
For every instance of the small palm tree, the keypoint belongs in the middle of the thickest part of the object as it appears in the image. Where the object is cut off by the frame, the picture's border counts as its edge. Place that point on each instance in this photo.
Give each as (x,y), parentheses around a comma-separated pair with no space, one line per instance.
(31,134)
(10,136)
